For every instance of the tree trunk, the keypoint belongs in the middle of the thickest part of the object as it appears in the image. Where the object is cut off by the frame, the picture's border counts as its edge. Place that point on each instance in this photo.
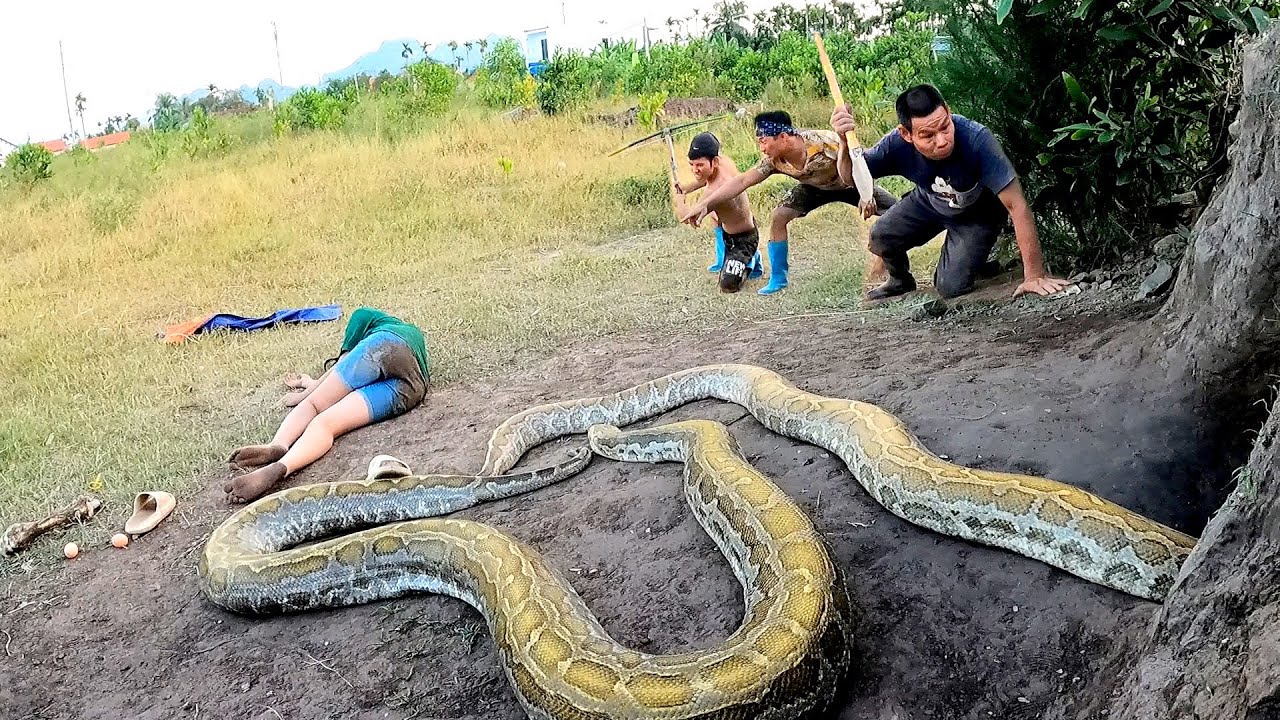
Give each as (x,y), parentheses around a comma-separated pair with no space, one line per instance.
(1213,649)
(1222,319)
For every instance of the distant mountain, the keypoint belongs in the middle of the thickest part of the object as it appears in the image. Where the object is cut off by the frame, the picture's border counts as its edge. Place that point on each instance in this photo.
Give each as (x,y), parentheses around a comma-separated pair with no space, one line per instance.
(389,56)
(247,92)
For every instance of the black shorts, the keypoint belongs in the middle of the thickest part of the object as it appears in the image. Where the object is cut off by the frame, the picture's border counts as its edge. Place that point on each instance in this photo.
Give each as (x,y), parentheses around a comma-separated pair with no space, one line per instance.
(739,248)
(804,199)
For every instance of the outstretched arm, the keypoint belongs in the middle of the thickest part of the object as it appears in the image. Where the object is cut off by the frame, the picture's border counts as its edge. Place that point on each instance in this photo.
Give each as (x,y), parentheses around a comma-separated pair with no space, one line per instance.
(733,188)
(1036,278)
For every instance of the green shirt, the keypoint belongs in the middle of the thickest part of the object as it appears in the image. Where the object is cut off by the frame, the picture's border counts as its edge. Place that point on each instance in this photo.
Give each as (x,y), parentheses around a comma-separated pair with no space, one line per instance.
(366,321)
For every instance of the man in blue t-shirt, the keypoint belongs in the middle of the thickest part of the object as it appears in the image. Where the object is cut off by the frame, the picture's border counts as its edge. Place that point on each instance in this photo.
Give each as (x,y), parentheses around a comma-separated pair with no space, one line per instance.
(964,184)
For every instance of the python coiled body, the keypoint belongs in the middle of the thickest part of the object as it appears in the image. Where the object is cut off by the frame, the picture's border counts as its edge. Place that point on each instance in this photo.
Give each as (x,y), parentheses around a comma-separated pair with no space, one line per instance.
(783,663)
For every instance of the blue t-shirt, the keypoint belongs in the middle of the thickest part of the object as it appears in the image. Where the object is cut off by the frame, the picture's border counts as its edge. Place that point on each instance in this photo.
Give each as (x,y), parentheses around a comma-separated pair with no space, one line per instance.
(953,185)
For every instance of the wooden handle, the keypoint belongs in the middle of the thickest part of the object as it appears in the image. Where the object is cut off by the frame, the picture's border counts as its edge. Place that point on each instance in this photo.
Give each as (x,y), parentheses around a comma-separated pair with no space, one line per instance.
(834,83)
(861,173)
(676,204)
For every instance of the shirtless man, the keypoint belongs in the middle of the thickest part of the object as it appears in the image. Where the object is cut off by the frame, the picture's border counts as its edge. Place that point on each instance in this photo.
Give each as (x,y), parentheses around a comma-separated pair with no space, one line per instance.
(741,240)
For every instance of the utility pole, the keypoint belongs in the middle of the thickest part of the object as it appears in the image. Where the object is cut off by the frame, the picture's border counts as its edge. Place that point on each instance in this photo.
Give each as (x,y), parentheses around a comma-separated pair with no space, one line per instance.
(275,34)
(66,98)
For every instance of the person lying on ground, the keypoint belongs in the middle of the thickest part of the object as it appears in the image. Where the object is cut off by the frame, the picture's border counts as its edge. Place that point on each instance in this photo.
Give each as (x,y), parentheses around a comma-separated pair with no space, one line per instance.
(381,371)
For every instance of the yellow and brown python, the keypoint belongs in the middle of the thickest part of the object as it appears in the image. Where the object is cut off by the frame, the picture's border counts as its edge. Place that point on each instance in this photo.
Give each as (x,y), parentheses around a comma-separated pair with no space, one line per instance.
(793,645)
(1043,519)
(784,662)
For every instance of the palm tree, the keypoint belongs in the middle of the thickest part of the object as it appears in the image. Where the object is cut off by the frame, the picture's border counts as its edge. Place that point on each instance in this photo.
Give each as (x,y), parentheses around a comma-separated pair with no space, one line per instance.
(484,45)
(80,103)
(407,52)
(727,21)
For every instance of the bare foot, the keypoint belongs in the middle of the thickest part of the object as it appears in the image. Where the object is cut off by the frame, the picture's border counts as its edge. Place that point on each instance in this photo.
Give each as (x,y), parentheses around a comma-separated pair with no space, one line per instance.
(291,399)
(256,455)
(298,381)
(254,485)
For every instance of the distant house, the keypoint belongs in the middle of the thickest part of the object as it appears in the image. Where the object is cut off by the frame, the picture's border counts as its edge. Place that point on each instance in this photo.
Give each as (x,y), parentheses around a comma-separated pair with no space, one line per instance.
(106,141)
(537,49)
(542,43)
(57,147)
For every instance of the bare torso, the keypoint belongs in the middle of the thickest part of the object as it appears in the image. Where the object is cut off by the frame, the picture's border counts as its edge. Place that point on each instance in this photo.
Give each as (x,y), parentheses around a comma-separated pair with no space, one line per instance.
(733,214)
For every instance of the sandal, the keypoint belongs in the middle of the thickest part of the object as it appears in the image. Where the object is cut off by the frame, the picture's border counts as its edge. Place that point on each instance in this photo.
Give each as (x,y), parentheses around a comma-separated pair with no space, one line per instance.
(149,508)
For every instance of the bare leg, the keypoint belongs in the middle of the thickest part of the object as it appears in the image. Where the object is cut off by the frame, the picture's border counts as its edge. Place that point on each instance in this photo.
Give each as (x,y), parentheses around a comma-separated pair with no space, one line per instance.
(347,414)
(329,390)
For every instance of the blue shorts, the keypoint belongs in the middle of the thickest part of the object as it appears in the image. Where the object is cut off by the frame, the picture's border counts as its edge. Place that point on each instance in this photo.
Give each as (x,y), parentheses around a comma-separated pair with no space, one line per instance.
(385,372)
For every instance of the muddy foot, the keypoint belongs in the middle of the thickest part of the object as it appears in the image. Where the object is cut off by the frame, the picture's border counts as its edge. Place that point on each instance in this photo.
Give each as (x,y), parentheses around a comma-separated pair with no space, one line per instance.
(254,485)
(256,455)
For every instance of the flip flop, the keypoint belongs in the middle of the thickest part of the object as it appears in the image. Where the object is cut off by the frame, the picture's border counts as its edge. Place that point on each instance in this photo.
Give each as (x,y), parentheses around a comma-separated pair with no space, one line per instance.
(385,466)
(149,508)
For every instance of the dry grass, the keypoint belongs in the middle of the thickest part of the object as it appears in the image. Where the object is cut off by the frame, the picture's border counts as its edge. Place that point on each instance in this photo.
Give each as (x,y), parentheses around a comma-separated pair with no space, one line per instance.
(495,267)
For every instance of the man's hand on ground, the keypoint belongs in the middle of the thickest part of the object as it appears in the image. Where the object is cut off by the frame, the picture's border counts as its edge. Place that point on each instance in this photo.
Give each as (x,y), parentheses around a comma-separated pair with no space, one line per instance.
(1041,286)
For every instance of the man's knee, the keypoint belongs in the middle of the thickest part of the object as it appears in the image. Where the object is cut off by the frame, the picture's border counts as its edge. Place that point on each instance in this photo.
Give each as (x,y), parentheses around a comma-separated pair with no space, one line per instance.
(782,215)
(952,285)
(881,241)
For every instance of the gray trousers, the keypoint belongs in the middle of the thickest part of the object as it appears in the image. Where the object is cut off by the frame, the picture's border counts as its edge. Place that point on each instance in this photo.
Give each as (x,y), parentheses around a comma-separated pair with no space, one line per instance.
(911,222)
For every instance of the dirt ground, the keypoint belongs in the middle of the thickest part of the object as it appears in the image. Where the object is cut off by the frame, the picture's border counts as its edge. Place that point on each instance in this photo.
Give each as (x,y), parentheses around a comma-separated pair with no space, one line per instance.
(948,629)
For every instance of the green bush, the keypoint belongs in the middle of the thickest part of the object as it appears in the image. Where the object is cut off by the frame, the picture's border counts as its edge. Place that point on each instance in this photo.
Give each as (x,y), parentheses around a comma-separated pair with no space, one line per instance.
(503,80)
(425,88)
(566,83)
(201,138)
(29,164)
(1105,109)
(312,109)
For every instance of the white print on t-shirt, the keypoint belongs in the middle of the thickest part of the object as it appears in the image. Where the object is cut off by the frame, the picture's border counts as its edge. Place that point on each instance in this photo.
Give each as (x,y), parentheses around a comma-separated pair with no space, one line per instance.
(943,189)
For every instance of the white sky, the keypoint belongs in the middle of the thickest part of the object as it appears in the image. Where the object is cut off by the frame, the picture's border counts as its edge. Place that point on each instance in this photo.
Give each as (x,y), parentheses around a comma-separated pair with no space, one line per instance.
(121,55)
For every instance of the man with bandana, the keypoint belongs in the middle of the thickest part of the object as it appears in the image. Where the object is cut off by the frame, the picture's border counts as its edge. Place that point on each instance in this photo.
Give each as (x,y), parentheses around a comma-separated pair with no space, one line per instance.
(965,185)
(809,156)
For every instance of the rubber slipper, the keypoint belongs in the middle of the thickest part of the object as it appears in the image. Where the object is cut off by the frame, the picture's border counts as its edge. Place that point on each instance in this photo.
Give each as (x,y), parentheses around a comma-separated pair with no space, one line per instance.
(385,466)
(149,508)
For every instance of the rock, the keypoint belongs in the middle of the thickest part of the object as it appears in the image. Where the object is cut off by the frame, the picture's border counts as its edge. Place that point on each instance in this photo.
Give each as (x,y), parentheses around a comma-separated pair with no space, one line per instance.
(1157,281)
(1081,277)
(1170,247)
(1106,285)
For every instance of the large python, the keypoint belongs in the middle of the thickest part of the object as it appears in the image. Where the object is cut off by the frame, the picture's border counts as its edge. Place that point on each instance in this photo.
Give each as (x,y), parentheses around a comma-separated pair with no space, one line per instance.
(784,662)
(1043,519)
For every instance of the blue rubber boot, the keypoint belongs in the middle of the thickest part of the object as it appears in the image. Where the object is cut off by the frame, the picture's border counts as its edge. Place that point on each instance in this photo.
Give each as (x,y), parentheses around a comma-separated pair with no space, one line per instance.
(756,266)
(777,267)
(719,263)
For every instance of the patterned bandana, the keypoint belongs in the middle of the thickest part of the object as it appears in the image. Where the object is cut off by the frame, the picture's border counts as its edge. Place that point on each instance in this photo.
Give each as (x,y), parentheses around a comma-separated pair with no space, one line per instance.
(768,128)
